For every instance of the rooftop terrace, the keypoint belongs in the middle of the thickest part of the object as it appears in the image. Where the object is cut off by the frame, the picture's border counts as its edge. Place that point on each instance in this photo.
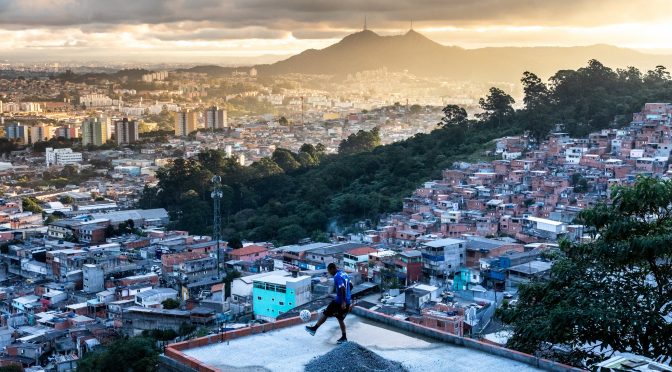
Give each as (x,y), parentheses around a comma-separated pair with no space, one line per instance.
(290,348)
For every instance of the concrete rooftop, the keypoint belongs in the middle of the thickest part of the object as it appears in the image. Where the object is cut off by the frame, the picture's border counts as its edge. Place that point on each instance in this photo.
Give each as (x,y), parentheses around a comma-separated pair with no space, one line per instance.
(289,349)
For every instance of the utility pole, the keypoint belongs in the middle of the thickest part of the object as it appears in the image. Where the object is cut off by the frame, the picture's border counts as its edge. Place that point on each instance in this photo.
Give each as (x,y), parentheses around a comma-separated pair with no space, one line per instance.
(217,218)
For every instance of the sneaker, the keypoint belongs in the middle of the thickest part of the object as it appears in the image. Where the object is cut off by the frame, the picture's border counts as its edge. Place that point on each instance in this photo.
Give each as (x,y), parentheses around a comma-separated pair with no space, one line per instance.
(342,340)
(310,330)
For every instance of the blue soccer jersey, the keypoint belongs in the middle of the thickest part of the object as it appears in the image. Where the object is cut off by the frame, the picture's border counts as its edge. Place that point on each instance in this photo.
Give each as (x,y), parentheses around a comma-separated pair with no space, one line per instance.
(342,280)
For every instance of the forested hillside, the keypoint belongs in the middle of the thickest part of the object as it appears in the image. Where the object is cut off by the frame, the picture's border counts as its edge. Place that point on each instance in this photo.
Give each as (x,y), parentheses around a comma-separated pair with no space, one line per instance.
(291,196)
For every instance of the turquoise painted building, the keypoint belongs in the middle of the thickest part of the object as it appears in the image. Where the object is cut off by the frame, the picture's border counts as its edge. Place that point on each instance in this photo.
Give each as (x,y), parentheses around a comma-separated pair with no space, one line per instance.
(461,280)
(274,295)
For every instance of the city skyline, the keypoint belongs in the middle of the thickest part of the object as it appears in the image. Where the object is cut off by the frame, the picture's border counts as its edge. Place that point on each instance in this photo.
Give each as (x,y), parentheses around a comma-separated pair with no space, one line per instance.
(242,32)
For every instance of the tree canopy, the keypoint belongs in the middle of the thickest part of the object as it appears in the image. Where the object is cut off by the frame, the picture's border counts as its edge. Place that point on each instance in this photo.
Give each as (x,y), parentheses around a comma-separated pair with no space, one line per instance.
(497,107)
(611,294)
(31,204)
(133,354)
(360,142)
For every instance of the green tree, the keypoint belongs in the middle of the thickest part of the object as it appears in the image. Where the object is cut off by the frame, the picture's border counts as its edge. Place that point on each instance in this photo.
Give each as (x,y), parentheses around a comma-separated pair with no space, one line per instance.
(7,146)
(292,234)
(658,75)
(230,276)
(612,293)
(453,115)
(285,159)
(30,204)
(497,107)
(110,231)
(134,354)
(170,303)
(536,117)
(265,167)
(536,92)
(160,334)
(235,243)
(360,142)
(66,199)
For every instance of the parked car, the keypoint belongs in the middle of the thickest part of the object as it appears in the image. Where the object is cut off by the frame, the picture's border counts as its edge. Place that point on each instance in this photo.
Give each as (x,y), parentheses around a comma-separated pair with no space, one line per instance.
(508,295)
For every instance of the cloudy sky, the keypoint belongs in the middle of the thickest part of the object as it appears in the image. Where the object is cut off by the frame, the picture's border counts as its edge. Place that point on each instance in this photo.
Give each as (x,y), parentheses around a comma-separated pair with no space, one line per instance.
(235,30)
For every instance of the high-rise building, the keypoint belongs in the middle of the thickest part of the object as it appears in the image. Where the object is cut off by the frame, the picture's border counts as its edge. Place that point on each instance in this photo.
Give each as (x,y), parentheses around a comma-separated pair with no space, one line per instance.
(94,132)
(185,122)
(215,118)
(41,132)
(67,131)
(17,132)
(107,121)
(126,131)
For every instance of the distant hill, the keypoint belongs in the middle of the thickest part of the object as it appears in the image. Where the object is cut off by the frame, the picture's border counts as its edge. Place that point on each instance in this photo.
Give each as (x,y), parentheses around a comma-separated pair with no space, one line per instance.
(209,69)
(412,51)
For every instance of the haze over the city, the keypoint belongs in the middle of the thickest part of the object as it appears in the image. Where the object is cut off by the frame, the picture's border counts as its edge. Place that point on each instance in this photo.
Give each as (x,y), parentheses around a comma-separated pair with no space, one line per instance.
(262,31)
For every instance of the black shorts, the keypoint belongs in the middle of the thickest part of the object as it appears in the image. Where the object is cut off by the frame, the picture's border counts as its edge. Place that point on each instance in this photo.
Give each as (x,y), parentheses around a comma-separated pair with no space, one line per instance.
(334,309)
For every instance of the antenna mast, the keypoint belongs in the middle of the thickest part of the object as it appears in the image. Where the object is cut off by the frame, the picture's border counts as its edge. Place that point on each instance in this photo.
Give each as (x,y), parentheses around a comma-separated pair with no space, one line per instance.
(217,218)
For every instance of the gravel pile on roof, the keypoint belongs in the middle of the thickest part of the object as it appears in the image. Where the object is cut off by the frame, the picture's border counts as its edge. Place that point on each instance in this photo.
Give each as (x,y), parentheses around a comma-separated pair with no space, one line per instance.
(352,357)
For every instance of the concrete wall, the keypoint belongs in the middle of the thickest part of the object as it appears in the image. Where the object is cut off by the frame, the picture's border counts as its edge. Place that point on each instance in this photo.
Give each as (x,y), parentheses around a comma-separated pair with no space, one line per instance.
(462,341)
(187,363)
(143,321)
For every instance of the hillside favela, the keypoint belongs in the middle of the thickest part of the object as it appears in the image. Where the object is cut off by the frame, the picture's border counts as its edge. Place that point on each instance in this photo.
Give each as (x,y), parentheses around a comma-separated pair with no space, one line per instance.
(457,185)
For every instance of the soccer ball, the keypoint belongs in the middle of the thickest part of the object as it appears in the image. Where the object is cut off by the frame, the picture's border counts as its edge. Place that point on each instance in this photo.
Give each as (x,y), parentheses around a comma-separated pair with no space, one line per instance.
(305,315)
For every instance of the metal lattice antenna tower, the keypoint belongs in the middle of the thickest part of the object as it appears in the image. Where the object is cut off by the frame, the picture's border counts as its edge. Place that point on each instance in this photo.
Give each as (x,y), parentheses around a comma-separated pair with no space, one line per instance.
(217,217)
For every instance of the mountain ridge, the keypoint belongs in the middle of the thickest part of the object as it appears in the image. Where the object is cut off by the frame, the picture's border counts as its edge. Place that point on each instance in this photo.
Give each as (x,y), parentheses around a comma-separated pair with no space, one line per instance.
(416,53)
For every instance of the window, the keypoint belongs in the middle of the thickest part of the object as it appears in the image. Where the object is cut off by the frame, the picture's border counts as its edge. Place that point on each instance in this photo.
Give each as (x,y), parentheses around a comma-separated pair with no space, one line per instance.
(281,303)
(259,298)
